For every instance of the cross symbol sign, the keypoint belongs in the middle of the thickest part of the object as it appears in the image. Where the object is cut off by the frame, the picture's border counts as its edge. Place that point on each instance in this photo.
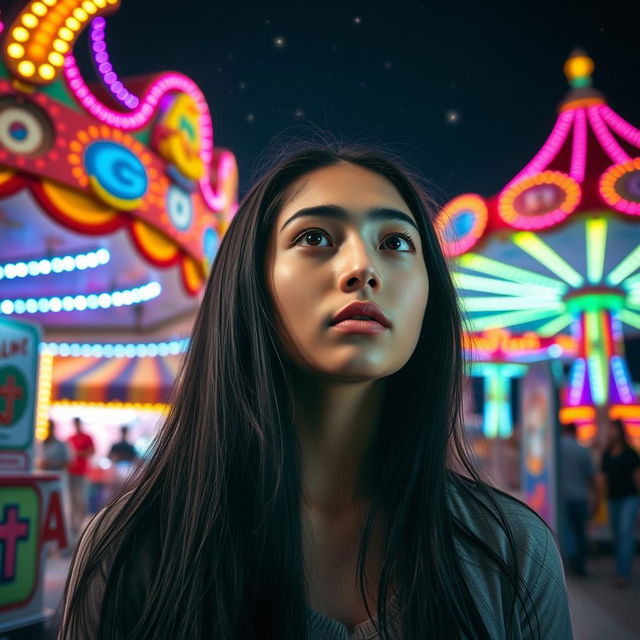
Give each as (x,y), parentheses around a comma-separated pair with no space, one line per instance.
(12,530)
(10,392)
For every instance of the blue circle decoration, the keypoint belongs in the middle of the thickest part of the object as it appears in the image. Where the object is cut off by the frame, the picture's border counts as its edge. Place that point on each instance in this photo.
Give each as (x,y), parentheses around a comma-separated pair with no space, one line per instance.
(462,224)
(115,173)
(210,244)
(180,207)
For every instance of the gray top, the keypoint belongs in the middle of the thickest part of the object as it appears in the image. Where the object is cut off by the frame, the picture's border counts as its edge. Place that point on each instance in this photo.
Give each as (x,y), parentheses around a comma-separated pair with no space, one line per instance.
(541,570)
(576,469)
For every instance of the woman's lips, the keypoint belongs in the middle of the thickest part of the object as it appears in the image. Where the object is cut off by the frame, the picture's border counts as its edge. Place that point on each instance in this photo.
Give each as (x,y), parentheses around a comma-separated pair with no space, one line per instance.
(359,326)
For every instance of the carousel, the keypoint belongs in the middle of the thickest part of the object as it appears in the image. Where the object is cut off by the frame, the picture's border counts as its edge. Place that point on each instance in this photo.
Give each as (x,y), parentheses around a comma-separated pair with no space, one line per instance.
(113,200)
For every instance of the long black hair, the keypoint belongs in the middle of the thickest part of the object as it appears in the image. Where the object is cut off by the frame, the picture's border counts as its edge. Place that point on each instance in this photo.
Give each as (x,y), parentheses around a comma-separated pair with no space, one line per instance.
(216,509)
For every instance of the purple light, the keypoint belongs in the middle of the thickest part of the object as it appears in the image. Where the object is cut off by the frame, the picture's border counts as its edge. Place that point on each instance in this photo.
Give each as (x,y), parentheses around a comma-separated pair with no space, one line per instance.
(623,128)
(99,47)
(549,149)
(606,140)
(579,151)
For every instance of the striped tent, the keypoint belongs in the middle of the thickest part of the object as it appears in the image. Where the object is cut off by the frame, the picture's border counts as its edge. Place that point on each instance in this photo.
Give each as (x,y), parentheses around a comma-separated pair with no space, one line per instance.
(121,380)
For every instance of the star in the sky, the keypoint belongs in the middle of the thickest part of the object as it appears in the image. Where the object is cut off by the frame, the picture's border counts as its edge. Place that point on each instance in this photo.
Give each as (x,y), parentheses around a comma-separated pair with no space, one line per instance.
(298,113)
(279,42)
(242,85)
(387,65)
(357,20)
(251,117)
(452,116)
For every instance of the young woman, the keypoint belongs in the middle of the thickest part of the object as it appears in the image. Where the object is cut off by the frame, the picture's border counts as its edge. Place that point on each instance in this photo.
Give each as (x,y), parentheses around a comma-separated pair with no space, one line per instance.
(621,468)
(303,485)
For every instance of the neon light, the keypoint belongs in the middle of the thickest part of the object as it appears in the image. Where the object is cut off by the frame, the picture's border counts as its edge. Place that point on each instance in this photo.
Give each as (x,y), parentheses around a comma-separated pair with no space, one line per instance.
(606,140)
(477,262)
(101,59)
(549,149)
(508,200)
(596,229)
(576,385)
(622,379)
(624,412)
(579,150)
(630,317)
(140,116)
(544,254)
(625,267)
(577,414)
(469,205)
(158,407)
(490,303)
(510,319)
(555,326)
(43,31)
(489,285)
(43,398)
(623,128)
(596,380)
(80,302)
(115,350)
(59,264)
(611,195)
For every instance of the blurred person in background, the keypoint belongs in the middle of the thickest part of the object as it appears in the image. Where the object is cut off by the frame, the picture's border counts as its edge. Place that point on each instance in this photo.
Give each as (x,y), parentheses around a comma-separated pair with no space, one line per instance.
(579,498)
(82,447)
(124,458)
(621,475)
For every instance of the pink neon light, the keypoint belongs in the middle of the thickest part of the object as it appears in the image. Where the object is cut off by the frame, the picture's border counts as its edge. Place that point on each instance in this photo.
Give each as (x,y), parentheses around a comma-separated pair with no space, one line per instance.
(606,140)
(550,148)
(140,116)
(623,128)
(579,150)
(101,58)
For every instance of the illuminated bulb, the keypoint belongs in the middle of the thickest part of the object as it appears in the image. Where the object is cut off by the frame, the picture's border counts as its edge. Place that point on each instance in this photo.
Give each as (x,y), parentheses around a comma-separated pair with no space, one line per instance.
(72,23)
(89,7)
(20,34)
(29,20)
(38,8)
(50,3)
(56,59)
(46,71)
(15,50)
(66,34)
(60,46)
(26,68)
(100,3)
(80,14)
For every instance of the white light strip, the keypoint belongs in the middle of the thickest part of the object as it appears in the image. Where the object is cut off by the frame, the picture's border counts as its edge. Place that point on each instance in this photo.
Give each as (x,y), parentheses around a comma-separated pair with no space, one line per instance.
(81,302)
(115,350)
(59,264)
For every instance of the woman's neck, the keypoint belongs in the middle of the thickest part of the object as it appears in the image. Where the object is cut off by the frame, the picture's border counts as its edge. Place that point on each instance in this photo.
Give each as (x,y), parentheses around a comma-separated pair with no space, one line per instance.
(336,423)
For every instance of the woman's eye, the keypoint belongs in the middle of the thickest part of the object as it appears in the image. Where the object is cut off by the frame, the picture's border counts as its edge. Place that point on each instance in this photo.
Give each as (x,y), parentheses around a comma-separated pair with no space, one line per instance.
(314,237)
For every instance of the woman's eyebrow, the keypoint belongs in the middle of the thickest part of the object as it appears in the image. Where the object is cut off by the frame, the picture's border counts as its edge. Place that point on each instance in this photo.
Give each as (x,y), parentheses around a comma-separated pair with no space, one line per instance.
(340,213)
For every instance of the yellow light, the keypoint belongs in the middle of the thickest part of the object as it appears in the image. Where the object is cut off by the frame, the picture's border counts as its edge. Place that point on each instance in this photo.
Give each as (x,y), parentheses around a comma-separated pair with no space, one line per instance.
(72,23)
(113,1)
(578,67)
(80,14)
(20,34)
(100,3)
(15,50)
(26,68)
(60,46)
(66,34)
(56,59)
(50,3)
(46,71)
(89,7)
(38,8)
(29,20)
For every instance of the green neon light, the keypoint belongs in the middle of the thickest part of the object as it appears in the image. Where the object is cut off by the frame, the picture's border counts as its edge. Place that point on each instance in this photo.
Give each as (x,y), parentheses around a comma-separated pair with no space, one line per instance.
(596,230)
(595,302)
(546,256)
(510,319)
(632,283)
(476,262)
(627,266)
(630,317)
(490,303)
(490,285)
(596,381)
(555,326)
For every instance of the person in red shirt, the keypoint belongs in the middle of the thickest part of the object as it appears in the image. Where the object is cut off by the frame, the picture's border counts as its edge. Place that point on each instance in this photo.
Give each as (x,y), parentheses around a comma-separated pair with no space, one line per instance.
(82,447)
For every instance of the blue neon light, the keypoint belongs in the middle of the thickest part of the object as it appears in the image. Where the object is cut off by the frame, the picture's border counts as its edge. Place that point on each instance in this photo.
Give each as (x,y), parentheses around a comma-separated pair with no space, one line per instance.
(58,264)
(119,350)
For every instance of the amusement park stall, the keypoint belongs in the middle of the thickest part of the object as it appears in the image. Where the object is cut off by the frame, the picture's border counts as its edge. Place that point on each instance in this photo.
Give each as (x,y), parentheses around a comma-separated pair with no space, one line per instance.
(113,200)
(548,273)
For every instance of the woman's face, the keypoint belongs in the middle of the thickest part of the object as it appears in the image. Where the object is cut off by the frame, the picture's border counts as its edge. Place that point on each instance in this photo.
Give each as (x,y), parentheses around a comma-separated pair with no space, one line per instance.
(318,263)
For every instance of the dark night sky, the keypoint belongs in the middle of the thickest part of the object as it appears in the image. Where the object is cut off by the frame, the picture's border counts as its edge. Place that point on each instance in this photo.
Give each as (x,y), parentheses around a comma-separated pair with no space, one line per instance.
(387,72)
